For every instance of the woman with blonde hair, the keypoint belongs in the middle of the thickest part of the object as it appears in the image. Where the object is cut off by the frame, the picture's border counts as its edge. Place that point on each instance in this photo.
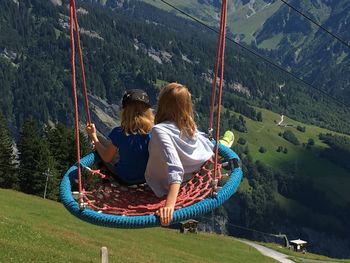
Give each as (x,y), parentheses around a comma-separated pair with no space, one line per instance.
(176,149)
(129,141)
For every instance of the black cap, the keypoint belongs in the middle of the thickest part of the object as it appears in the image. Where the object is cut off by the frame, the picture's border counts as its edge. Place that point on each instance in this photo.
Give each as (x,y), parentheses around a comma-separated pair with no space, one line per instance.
(135,95)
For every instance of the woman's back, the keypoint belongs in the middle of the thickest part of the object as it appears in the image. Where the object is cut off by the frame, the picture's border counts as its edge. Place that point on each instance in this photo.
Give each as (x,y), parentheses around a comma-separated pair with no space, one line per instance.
(133,155)
(174,157)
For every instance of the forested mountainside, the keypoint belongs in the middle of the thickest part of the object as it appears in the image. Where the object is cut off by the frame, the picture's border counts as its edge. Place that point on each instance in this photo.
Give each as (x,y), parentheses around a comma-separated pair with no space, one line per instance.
(286,37)
(291,181)
(134,45)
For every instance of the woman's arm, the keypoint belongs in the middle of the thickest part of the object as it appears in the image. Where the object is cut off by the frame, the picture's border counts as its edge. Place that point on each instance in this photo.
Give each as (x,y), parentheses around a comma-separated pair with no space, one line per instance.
(108,151)
(175,172)
(166,213)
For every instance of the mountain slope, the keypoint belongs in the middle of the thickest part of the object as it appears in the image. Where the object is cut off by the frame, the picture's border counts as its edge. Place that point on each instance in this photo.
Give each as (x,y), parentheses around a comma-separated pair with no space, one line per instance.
(287,37)
(35,230)
(132,45)
(305,194)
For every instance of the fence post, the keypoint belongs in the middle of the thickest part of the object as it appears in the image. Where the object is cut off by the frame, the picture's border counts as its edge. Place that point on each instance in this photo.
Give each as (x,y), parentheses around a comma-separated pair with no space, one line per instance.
(104,255)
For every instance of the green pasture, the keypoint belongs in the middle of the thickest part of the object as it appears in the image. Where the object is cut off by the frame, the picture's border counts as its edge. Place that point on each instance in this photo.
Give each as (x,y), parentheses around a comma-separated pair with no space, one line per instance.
(325,175)
(36,230)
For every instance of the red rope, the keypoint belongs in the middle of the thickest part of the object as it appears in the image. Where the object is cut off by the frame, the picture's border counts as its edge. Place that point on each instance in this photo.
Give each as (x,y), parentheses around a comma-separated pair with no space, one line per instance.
(75,99)
(81,61)
(114,198)
(213,94)
(221,56)
(74,23)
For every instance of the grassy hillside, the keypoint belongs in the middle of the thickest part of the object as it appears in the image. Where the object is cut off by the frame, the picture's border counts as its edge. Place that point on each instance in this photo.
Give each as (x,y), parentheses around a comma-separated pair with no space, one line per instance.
(37,230)
(242,20)
(326,176)
(299,257)
(332,181)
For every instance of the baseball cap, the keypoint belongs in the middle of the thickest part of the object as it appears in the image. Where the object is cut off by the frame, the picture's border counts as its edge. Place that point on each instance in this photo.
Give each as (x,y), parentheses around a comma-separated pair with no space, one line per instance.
(135,95)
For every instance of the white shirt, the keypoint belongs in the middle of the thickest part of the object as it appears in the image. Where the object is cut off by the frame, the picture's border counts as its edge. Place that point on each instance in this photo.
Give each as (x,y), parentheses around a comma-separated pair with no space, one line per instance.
(174,158)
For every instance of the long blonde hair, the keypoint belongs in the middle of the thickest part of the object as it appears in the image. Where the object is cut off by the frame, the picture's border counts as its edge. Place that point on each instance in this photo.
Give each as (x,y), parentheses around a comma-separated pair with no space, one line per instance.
(137,117)
(175,104)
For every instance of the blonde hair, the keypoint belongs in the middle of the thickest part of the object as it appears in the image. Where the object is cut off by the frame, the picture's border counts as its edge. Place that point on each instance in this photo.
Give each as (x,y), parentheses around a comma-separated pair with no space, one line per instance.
(175,104)
(137,117)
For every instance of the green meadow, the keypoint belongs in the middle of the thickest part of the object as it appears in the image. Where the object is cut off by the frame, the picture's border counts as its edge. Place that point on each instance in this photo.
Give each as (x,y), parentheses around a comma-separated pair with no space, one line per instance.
(36,230)
(325,176)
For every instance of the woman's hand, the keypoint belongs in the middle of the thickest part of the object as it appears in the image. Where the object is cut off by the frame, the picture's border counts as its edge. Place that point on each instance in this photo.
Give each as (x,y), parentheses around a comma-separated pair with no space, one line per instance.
(166,212)
(166,215)
(91,131)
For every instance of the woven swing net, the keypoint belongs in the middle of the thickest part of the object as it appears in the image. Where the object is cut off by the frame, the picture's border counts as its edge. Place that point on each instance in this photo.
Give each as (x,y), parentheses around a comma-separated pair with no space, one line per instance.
(112,197)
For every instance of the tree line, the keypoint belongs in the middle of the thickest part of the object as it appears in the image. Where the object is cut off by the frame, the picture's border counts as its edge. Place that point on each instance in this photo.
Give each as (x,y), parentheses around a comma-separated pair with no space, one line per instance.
(43,156)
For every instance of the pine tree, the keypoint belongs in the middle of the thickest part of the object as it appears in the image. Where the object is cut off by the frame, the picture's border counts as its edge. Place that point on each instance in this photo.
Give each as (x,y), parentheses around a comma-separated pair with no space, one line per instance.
(8,171)
(63,148)
(35,162)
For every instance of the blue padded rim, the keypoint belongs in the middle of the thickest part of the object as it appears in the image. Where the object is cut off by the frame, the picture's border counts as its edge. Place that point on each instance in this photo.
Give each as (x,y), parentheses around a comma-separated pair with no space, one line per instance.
(202,207)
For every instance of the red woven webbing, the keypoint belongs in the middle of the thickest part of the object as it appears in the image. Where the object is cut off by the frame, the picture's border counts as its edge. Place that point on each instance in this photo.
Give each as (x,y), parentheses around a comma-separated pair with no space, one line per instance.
(114,198)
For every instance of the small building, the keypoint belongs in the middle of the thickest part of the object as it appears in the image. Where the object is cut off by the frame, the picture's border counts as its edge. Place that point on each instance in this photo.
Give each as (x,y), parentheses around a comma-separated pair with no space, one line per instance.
(189,226)
(298,245)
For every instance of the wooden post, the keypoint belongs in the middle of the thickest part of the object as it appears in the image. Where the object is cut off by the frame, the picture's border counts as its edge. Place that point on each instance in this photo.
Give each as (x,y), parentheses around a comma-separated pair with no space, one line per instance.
(104,255)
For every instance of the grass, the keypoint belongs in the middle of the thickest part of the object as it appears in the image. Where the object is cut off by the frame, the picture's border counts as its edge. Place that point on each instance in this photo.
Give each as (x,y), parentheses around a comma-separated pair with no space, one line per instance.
(237,22)
(299,257)
(330,179)
(37,230)
(240,24)
(326,176)
(271,43)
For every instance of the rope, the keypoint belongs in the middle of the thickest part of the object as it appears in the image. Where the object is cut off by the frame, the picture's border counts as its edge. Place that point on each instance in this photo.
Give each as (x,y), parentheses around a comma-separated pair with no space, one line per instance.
(213,94)
(74,25)
(75,98)
(81,61)
(267,60)
(221,55)
(111,197)
(196,209)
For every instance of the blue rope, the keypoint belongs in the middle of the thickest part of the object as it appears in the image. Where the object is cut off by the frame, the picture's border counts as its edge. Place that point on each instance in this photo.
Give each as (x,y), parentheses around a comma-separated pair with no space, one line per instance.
(202,207)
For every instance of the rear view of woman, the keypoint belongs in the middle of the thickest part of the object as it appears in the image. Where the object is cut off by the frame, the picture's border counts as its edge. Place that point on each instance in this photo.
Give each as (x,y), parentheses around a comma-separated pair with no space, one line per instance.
(176,149)
(128,143)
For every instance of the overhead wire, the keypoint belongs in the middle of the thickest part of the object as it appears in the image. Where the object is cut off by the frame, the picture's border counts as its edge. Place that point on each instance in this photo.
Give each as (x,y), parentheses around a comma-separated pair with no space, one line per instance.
(269,61)
(344,42)
(242,227)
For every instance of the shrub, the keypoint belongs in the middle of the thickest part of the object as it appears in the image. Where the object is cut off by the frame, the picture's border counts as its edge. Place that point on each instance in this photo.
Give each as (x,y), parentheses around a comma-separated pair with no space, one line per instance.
(279,149)
(242,141)
(262,149)
(290,136)
(301,129)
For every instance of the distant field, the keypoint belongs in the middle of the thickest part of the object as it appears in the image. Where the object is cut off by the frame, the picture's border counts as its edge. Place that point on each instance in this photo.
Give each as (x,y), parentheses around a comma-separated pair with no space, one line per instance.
(239,19)
(330,179)
(326,176)
(37,230)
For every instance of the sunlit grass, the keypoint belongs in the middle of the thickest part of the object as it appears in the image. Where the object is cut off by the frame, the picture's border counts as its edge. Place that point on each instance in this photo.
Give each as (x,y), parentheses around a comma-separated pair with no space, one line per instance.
(37,230)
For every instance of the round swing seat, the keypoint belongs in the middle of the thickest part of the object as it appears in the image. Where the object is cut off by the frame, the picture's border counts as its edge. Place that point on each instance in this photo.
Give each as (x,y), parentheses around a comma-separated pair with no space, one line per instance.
(113,205)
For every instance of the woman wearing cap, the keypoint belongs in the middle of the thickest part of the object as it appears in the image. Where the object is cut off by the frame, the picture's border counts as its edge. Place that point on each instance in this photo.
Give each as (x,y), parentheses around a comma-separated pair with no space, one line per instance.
(176,149)
(129,141)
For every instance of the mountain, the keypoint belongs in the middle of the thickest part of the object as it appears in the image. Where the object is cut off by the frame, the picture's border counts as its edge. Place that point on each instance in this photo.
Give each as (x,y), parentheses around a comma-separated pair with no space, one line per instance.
(132,44)
(288,38)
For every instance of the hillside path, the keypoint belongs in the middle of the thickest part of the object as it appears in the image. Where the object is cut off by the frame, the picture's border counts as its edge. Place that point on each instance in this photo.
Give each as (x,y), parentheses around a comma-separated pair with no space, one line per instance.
(283,258)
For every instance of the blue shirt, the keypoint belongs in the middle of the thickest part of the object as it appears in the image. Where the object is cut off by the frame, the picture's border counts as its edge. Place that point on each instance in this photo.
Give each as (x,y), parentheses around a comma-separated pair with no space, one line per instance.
(133,155)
